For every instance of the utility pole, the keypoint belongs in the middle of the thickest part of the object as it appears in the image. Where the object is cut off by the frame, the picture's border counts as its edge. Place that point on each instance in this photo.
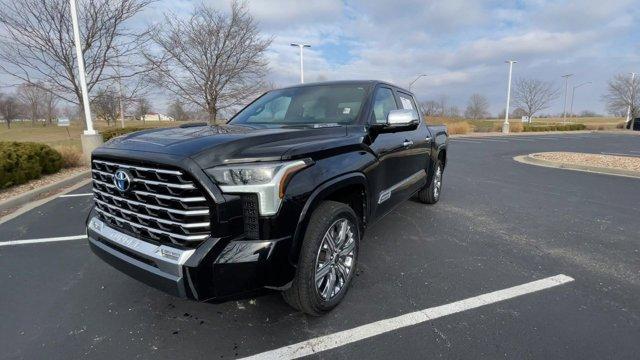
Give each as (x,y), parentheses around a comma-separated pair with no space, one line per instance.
(566,89)
(416,79)
(573,95)
(301,46)
(505,126)
(90,138)
(632,95)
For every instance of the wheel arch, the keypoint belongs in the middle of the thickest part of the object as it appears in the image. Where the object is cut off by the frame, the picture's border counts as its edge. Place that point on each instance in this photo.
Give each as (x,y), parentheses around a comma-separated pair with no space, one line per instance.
(350,188)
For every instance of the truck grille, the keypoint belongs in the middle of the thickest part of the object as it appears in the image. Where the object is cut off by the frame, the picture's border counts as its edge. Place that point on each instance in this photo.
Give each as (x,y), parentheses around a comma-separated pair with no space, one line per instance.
(161,204)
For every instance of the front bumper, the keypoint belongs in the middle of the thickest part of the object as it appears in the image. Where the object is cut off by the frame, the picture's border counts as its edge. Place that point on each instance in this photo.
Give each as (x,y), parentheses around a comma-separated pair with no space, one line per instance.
(158,266)
(216,270)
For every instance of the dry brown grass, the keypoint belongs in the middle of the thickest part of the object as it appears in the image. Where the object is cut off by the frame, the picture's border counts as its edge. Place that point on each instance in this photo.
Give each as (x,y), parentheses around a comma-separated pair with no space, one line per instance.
(71,155)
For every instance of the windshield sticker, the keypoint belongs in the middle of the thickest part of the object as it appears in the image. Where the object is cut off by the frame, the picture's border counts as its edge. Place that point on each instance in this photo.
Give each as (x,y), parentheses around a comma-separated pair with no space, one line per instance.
(346,111)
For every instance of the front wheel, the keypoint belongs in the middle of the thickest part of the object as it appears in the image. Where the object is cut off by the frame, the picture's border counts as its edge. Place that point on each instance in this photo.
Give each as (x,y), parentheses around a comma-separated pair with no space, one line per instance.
(431,194)
(327,259)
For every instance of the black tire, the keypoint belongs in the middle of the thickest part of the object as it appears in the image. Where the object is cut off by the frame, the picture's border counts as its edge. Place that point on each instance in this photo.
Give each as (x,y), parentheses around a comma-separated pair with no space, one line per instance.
(430,193)
(303,294)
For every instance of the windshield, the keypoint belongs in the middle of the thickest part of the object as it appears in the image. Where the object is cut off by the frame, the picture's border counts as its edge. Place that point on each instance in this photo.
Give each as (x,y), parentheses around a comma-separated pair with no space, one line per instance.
(319,104)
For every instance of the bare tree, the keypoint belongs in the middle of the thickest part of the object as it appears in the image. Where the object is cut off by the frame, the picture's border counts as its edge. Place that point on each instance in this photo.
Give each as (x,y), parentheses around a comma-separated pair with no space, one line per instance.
(430,108)
(477,108)
(30,96)
(49,106)
(212,60)
(621,94)
(106,105)
(9,109)
(533,95)
(142,108)
(37,43)
(177,112)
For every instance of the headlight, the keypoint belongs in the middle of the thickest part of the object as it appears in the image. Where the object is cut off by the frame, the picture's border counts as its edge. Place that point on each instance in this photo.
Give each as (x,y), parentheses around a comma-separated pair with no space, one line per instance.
(268,180)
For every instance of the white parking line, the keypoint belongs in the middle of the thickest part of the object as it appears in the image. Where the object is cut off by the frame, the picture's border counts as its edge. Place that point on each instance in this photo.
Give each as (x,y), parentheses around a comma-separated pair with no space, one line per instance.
(331,341)
(43,240)
(74,195)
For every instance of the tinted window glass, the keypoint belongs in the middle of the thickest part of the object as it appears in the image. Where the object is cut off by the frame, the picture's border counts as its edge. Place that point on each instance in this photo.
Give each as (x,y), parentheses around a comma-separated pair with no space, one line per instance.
(383,103)
(321,104)
(407,101)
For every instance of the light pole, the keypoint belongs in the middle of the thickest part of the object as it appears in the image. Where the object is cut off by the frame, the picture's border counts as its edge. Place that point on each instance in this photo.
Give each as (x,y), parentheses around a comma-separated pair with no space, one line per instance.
(416,79)
(566,90)
(90,139)
(505,126)
(573,95)
(633,76)
(301,46)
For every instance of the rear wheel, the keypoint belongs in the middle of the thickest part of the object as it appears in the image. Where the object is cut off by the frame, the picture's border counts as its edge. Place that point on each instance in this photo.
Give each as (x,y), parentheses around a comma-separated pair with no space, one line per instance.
(431,194)
(327,259)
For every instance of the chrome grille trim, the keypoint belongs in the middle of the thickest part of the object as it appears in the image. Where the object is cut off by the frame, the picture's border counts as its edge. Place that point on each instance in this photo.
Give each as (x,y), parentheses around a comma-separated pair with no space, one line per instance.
(164,205)
(177,236)
(164,221)
(176,211)
(151,182)
(167,197)
(159,196)
(141,168)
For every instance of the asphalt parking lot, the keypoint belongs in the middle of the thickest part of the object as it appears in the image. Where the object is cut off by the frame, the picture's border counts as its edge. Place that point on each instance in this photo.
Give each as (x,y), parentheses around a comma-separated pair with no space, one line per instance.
(499,224)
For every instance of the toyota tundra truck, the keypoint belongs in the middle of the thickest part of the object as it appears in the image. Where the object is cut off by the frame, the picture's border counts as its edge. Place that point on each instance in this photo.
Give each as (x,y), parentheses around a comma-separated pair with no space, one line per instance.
(278,198)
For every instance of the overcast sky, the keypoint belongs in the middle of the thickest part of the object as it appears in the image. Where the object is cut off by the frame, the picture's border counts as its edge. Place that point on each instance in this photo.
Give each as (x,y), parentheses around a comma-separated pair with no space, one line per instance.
(461,45)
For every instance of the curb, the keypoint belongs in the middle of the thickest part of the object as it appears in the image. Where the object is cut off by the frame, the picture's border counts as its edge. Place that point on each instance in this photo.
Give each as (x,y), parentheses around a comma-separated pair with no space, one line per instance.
(36,194)
(530,160)
(536,133)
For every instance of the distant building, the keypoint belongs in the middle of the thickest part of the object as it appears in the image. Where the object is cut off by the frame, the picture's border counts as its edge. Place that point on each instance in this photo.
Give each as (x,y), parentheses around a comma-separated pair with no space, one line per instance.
(156,117)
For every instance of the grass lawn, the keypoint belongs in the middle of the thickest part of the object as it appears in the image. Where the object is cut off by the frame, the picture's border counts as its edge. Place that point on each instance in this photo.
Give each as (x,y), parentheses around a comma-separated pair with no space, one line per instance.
(462,126)
(54,135)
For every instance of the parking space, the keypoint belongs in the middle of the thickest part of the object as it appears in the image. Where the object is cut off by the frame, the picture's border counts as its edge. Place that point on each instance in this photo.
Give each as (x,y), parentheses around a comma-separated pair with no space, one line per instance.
(500,224)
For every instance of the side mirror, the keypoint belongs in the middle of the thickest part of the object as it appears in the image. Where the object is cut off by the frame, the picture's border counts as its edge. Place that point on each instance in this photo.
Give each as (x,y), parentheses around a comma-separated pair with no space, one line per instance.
(402,118)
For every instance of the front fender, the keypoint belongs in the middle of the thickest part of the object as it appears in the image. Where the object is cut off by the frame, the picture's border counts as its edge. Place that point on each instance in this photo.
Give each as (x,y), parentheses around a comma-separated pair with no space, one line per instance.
(318,195)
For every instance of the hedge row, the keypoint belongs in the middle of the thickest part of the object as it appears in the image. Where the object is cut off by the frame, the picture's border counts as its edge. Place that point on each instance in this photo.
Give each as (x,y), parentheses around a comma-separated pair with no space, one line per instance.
(566,127)
(111,133)
(23,161)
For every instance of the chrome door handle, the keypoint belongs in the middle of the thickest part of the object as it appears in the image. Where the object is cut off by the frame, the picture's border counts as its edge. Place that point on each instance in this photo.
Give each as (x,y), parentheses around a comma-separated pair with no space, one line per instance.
(407,143)
(428,139)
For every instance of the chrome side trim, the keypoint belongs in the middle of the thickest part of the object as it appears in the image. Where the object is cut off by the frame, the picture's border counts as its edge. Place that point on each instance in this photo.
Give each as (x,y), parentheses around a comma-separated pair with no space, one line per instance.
(142,168)
(386,194)
(168,259)
(177,236)
(181,212)
(184,225)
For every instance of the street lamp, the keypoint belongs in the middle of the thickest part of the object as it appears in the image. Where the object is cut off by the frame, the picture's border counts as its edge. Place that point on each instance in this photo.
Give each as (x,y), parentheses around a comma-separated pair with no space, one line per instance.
(633,76)
(573,95)
(566,90)
(505,126)
(90,139)
(416,79)
(301,46)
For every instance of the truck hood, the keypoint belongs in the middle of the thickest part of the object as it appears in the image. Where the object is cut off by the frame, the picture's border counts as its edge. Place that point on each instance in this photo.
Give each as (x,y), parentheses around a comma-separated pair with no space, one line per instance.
(212,145)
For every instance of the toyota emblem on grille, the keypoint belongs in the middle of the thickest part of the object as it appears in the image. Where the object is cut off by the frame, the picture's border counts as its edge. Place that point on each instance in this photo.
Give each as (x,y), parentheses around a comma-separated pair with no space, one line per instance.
(122,179)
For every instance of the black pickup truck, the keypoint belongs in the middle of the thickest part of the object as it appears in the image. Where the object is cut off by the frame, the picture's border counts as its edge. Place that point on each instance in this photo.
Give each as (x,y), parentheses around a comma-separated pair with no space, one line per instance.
(277,198)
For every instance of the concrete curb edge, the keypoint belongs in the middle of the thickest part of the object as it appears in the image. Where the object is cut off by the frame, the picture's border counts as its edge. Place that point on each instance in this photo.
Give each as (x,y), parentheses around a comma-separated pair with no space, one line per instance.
(530,160)
(36,194)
